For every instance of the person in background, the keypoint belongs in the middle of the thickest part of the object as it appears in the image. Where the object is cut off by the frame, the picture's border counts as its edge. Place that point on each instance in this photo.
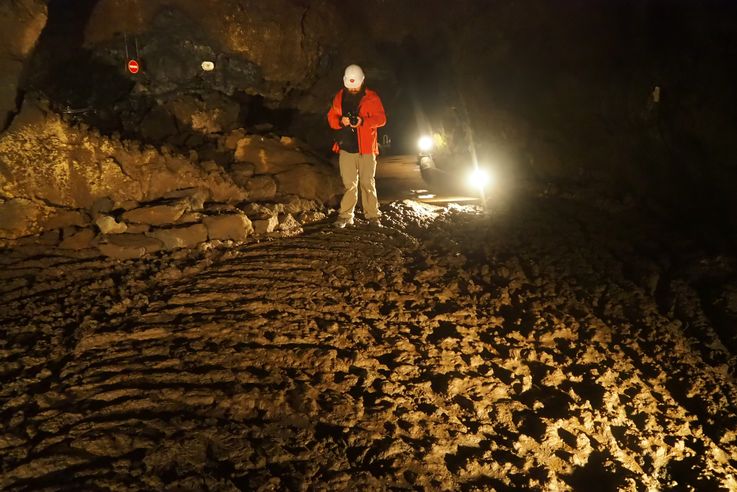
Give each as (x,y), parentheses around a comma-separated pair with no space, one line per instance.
(355,115)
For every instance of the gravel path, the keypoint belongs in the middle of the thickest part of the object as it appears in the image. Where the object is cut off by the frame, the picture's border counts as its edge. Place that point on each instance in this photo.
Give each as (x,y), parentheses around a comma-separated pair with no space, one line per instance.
(449,351)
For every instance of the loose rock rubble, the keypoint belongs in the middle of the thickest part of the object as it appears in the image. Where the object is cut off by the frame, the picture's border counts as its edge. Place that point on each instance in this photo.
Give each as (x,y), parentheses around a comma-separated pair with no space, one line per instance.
(450,350)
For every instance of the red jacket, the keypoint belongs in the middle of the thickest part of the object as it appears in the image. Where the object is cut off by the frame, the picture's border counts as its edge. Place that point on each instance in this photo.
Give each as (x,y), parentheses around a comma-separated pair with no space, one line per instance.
(371,112)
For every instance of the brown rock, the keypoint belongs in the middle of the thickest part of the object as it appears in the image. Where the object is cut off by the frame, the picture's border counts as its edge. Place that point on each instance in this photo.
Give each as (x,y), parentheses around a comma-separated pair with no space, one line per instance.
(89,171)
(156,214)
(121,252)
(190,218)
(134,240)
(127,204)
(294,205)
(221,208)
(211,114)
(108,225)
(264,226)
(196,197)
(81,240)
(102,205)
(21,217)
(315,182)
(269,156)
(21,23)
(127,246)
(311,216)
(262,187)
(182,108)
(74,174)
(51,238)
(287,223)
(232,226)
(138,228)
(45,239)
(262,210)
(66,218)
(47,160)
(181,237)
(241,172)
(231,141)
(210,166)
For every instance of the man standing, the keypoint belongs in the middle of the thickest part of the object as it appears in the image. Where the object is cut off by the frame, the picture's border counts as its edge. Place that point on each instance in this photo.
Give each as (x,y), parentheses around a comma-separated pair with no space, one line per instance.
(355,114)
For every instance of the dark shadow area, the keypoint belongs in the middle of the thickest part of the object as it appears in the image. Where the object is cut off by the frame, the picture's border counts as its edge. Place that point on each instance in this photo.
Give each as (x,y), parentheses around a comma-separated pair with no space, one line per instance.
(258,115)
(601,470)
(67,73)
(424,90)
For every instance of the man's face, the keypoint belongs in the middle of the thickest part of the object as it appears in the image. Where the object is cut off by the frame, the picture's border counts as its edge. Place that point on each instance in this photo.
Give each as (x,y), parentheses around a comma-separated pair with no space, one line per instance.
(354,90)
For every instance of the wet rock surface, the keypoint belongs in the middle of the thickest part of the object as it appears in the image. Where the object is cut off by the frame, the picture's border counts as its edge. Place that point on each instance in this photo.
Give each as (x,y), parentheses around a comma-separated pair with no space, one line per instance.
(545,348)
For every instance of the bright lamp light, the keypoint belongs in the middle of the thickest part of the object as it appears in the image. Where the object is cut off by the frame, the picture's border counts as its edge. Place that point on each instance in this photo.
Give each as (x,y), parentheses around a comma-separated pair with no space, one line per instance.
(480,178)
(425,143)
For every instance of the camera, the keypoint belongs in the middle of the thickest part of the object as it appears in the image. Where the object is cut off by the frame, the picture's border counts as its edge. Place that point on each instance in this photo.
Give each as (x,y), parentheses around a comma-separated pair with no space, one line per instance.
(353,118)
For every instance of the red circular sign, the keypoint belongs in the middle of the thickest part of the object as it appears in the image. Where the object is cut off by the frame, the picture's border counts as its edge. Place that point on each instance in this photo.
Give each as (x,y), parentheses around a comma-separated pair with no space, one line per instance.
(133,66)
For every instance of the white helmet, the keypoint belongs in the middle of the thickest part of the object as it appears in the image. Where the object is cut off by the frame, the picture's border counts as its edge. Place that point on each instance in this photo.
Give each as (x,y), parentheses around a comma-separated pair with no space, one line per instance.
(353,77)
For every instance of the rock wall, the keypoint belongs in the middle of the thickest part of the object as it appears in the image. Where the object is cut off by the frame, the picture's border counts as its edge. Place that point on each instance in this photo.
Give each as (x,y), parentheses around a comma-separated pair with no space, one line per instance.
(267,48)
(21,23)
(55,176)
(276,66)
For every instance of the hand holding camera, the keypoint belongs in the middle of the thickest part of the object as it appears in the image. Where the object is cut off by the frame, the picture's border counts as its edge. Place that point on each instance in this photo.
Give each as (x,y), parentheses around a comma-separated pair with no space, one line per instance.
(352,120)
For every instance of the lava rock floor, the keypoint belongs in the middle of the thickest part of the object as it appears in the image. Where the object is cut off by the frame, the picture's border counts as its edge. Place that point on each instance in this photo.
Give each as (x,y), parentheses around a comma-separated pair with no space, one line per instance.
(451,350)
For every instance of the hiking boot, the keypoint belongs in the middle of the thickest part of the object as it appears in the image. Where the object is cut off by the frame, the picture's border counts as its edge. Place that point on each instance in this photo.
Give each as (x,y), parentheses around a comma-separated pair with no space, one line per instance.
(341,222)
(375,222)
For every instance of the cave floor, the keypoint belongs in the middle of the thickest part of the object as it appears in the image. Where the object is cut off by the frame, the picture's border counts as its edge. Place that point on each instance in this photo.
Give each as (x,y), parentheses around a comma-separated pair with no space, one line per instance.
(543,347)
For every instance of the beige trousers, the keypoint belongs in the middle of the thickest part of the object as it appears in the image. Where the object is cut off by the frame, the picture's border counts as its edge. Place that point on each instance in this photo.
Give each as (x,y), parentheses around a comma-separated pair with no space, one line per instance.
(358,170)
